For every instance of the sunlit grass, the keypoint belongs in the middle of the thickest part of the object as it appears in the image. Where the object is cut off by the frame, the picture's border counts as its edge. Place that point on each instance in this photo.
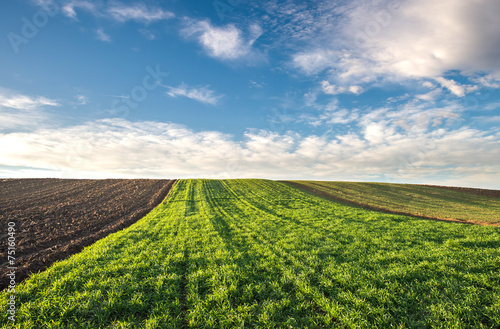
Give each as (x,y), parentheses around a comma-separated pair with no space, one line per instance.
(414,199)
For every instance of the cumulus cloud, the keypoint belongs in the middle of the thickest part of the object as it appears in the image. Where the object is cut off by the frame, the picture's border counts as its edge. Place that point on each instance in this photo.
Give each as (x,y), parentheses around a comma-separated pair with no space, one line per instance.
(380,149)
(429,38)
(201,94)
(227,42)
(410,40)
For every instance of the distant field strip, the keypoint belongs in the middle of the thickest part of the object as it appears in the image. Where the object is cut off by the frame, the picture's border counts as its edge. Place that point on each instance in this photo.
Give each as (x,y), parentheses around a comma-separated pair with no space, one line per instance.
(261,254)
(418,200)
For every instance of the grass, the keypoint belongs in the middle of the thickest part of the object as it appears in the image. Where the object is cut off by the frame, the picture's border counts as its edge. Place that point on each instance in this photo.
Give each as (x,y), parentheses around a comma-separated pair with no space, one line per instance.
(256,253)
(425,201)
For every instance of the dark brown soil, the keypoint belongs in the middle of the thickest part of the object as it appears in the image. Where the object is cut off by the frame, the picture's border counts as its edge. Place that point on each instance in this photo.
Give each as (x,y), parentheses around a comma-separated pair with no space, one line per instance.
(478,191)
(55,218)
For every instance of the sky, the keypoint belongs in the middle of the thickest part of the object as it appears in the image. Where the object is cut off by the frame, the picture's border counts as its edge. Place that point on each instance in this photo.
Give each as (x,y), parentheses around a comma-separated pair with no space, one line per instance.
(361,90)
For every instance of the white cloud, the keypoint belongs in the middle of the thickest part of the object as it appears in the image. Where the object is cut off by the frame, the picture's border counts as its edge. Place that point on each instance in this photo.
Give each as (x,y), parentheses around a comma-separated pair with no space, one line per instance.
(456,88)
(11,99)
(103,36)
(341,116)
(378,151)
(227,42)
(428,84)
(373,39)
(334,89)
(491,106)
(116,11)
(69,8)
(315,61)
(430,96)
(202,94)
(137,12)
(489,81)
(81,99)
(255,84)
(21,119)
(428,38)
(18,111)
(410,117)
(147,34)
(488,119)
(375,133)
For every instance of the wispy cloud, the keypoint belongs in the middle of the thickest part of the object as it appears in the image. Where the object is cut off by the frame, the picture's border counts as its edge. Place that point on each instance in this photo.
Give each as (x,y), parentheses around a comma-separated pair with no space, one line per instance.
(81,99)
(226,42)
(103,36)
(69,7)
(14,100)
(201,94)
(334,90)
(430,96)
(117,11)
(255,84)
(137,12)
(313,62)
(147,34)
(454,87)
(18,111)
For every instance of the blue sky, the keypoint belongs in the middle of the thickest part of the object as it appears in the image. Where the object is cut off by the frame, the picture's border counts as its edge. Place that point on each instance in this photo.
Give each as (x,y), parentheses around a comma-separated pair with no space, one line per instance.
(363,90)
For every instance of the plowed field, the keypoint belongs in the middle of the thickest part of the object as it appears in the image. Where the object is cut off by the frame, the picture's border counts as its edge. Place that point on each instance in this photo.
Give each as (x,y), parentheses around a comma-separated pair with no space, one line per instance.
(56,218)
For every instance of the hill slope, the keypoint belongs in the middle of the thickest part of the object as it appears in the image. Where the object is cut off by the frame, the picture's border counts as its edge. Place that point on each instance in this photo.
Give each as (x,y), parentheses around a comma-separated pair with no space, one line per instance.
(416,200)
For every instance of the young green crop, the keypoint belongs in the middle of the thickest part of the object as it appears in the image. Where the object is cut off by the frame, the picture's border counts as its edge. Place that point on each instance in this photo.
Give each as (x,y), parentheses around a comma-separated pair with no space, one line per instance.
(419,200)
(256,253)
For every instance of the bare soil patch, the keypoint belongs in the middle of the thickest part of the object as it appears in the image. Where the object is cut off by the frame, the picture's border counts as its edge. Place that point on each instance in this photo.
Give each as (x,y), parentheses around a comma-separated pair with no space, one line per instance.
(55,218)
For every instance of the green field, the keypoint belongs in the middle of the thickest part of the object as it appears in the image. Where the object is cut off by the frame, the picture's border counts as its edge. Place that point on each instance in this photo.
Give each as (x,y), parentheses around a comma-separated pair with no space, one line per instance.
(419,200)
(257,253)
